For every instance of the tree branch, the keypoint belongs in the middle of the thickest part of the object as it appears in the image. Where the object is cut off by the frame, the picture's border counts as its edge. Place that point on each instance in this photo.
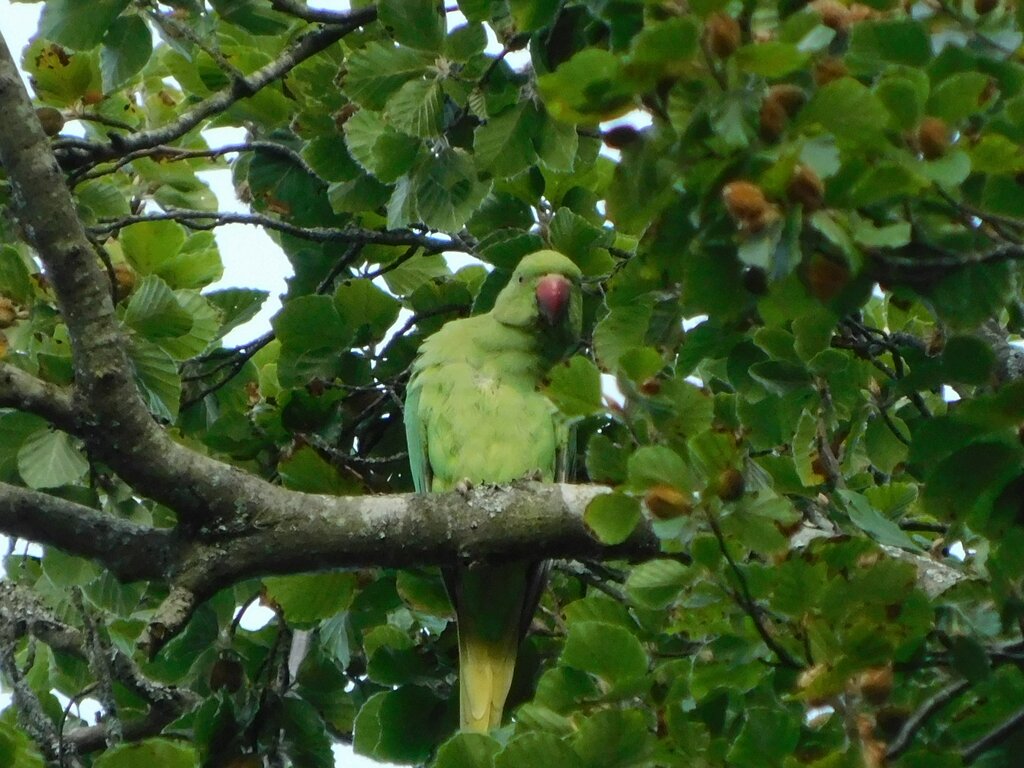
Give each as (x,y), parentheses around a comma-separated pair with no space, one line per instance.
(129,551)
(25,392)
(205,220)
(305,532)
(917,720)
(993,738)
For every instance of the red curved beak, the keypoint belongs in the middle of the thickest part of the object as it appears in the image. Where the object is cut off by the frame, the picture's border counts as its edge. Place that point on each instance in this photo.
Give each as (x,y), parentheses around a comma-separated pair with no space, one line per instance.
(553,297)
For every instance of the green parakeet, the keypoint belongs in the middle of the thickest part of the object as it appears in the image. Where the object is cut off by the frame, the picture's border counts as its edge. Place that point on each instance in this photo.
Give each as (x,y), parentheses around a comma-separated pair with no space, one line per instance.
(474,411)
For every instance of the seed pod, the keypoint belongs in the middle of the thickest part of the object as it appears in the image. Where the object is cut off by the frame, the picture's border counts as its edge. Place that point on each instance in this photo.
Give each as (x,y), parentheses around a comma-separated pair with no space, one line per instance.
(748,207)
(805,187)
(722,35)
(51,119)
(875,684)
(621,136)
(744,200)
(8,312)
(773,120)
(755,280)
(667,503)
(933,137)
(828,70)
(729,485)
(125,280)
(790,97)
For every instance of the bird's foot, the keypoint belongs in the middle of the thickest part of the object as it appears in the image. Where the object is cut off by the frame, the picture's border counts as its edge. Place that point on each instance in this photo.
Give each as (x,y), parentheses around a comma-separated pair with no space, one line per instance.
(463,487)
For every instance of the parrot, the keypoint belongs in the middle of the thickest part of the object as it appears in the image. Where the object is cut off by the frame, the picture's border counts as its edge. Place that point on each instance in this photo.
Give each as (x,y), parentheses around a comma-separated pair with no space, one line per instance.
(475,413)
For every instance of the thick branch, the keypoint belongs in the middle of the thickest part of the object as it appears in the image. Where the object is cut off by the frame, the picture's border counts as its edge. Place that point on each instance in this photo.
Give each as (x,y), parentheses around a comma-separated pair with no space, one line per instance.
(309,532)
(25,392)
(129,551)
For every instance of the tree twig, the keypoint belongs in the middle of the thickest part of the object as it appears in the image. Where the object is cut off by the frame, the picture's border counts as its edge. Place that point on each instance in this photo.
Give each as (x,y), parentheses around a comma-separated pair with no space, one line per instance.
(916,721)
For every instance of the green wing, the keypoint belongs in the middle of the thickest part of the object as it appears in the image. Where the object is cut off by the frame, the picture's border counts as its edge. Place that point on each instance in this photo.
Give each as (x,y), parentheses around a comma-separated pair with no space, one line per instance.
(416,438)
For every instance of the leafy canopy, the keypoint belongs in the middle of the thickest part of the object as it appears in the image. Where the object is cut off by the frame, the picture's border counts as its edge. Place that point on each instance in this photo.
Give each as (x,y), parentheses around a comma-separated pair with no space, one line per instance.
(802,257)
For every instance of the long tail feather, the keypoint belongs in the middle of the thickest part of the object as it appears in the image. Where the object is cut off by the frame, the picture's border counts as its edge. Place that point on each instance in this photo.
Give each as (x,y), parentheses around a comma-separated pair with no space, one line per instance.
(485,677)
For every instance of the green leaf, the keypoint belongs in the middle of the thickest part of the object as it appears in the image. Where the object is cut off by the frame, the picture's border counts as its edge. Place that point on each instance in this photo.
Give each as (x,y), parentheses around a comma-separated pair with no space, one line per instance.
(374,73)
(768,735)
(16,751)
(504,145)
(577,238)
(444,192)
(237,306)
(885,450)
(78,24)
(968,360)
(621,330)
(305,470)
(127,46)
(575,387)
(557,145)
(305,736)
(528,750)
(658,465)
(871,521)
(898,41)
(308,598)
(609,651)
(158,753)
(156,373)
(588,88)
(662,49)
(14,276)
(415,23)
(49,458)
(311,333)
(154,310)
(466,41)
(400,726)
(61,77)
(771,58)
(965,485)
(467,750)
(656,583)
(614,738)
(416,108)
(149,244)
(533,14)
(65,570)
(849,110)
(367,309)
(606,461)
(959,96)
(378,148)
(612,517)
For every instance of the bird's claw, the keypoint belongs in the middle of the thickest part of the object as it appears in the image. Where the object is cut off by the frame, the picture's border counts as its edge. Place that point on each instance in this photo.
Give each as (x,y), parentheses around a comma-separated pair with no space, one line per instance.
(463,487)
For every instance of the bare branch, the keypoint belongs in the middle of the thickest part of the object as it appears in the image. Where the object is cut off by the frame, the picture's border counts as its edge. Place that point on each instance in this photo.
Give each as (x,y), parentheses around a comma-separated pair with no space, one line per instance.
(917,720)
(994,738)
(205,220)
(130,551)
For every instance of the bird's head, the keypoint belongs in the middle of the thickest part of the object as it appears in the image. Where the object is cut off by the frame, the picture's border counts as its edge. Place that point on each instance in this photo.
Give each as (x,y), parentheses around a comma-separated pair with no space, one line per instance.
(543,294)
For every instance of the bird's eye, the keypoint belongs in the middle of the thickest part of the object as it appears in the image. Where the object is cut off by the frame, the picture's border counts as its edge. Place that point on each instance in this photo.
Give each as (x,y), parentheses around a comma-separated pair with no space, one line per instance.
(521,278)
